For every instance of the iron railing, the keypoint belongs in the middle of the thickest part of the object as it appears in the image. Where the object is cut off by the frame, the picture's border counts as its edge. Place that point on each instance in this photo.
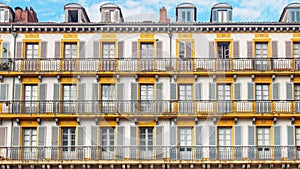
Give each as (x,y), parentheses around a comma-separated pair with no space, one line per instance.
(236,153)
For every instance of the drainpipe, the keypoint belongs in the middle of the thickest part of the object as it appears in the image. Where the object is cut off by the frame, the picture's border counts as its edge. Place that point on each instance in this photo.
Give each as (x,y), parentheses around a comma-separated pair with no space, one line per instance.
(170,57)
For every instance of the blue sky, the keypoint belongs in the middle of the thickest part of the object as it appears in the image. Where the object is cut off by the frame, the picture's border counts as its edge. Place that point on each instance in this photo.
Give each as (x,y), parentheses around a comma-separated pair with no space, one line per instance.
(138,10)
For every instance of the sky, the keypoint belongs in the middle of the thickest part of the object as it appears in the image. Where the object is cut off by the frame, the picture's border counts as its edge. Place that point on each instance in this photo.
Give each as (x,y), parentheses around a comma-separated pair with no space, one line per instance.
(141,10)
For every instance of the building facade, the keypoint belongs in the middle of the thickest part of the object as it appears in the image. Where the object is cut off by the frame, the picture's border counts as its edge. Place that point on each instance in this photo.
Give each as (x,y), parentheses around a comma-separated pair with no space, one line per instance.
(165,95)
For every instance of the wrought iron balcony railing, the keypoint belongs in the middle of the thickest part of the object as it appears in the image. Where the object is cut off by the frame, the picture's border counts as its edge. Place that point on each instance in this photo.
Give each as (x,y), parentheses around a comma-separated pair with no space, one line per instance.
(233,153)
(155,107)
(154,65)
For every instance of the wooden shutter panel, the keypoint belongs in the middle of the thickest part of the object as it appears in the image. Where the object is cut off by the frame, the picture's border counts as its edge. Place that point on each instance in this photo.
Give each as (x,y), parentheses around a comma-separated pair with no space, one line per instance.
(18,90)
(54,138)
(121,49)
(237,91)
(250,49)
(236,49)
(215,16)
(188,50)
(95,89)
(199,135)
(133,135)
(251,142)
(57,50)
(211,49)
(120,135)
(274,49)
(276,91)
(96,51)
(44,49)
(291,142)
(134,49)
(3,134)
(82,49)
(289,91)
(198,91)
(288,49)
(3,91)
(81,135)
(43,91)
(81,91)
(159,135)
(238,135)
(19,50)
(173,138)
(173,91)
(94,135)
(212,142)
(159,91)
(251,91)
(134,91)
(159,49)
(277,135)
(42,134)
(5,45)
(16,136)
(120,91)
(212,91)
(56,92)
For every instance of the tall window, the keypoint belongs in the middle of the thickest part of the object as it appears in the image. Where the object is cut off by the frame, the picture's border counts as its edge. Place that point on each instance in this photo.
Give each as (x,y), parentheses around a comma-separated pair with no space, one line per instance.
(32,50)
(69,98)
(261,52)
(146,142)
(4,15)
(147,97)
(108,50)
(185,98)
(185,142)
(262,92)
(29,143)
(297,92)
(68,142)
(222,16)
(107,142)
(223,50)
(108,97)
(263,142)
(70,50)
(224,92)
(186,15)
(30,98)
(296,49)
(224,142)
(147,51)
(295,15)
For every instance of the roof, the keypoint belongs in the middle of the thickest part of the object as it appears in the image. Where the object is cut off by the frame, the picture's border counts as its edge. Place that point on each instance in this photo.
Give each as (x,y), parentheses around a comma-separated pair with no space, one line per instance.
(109,5)
(222,5)
(73,5)
(186,5)
(289,6)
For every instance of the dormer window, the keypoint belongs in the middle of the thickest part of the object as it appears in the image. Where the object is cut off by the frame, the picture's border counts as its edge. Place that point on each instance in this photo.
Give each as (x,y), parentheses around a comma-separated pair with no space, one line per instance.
(295,15)
(290,13)
(186,12)
(4,15)
(73,16)
(185,15)
(221,13)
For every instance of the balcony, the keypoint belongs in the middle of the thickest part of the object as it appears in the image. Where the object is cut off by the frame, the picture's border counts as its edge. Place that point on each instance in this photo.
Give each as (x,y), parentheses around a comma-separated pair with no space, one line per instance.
(120,153)
(155,65)
(155,107)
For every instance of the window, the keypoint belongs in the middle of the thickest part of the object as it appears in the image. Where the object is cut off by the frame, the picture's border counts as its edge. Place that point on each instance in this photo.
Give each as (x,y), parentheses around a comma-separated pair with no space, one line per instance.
(147,51)
(185,143)
(185,49)
(4,15)
(295,15)
(32,50)
(186,15)
(29,143)
(223,50)
(69,98)
(70,50)
(224,92)
(108,97)
(108,50)
(147,97)
(146,142)
(222,16)
(73,16)
(107,142)
(225,143)
(68,142)
(298,141)
(297,92)
(30,98)
(262,92)
(261,51)
(263,142)
(185,98)
(296,49)
(185,92)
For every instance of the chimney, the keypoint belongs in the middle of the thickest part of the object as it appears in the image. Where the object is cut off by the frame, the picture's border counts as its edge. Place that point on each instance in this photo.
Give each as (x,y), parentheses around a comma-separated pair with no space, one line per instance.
(163,16)
(18,12)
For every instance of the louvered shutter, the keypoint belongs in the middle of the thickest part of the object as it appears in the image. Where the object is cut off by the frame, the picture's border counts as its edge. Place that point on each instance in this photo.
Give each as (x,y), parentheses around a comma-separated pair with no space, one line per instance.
(43,97)
(95,97)
(250,49)
(134,96)
(291,142)
(215,16)
(238,142)
(15,155)
(159,49)
(81,135)
(159,97)
(120,142)
(199,142)
(57,50)
(81,91)
(3,134)
(56,91)
(159,142)
(44,49)
(251,91)
(133,142)
(94,135)
(212,142)
(212,91)
(188,50)
(198,91)
(289,91)
(173,138)
(121,49)
(96,51)
(173,91)
(274,49)
(3,91)
(251,142)
(82,49)
(120,97)
(42,134)
(5,45)
(230,15)
(54,142)
(236,49)
(18,90)
(276,91)
(237,91)
(19,50)
(288,49)
(134,49)
(211,49)
(277,142)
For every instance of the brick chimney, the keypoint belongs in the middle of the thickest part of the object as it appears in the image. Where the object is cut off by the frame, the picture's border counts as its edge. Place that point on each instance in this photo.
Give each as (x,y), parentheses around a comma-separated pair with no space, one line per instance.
(18,12)
(25,15)
(163,16)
